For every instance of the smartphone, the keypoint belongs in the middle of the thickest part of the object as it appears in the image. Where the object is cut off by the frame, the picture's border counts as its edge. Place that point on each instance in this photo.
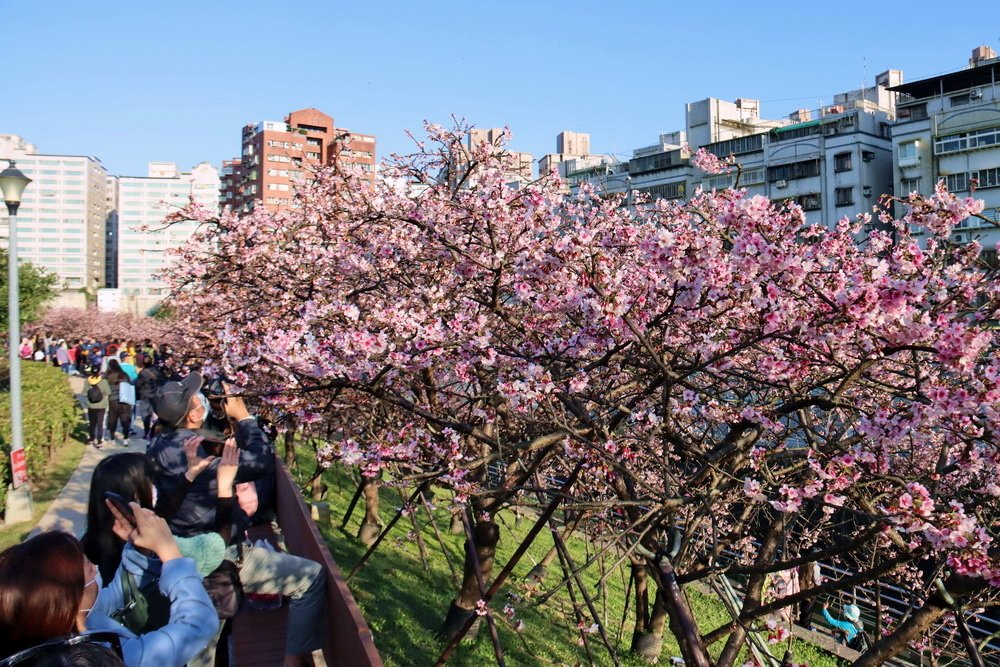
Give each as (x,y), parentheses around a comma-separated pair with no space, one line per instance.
(122,506)
(212,441)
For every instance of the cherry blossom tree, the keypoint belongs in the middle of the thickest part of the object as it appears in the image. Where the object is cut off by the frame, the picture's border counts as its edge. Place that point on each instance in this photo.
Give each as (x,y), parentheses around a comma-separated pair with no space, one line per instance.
(739,393)
(70,323)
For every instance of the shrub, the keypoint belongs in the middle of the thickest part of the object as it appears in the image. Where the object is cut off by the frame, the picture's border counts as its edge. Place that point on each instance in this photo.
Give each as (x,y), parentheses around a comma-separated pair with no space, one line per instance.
(50,413)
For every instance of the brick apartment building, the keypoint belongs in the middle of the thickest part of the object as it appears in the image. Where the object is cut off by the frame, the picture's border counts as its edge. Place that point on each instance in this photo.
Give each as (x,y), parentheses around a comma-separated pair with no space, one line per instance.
(278,156)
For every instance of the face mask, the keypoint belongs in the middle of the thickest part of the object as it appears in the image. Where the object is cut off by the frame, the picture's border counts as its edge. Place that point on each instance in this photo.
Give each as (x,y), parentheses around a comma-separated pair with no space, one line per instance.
(100,584)
(204,406)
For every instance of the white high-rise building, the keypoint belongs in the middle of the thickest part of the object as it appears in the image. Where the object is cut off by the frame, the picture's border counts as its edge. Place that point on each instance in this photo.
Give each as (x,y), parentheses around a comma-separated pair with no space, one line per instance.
(143,202)
(948,128)
(61,222)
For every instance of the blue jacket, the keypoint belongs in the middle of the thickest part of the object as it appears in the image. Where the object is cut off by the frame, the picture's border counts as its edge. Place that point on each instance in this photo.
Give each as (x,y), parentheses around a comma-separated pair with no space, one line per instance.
(846,627)
(193,619)
(196,514)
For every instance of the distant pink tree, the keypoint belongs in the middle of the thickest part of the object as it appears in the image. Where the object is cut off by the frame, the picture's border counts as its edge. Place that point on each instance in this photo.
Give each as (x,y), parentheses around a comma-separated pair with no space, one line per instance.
(746,393)
(72,323)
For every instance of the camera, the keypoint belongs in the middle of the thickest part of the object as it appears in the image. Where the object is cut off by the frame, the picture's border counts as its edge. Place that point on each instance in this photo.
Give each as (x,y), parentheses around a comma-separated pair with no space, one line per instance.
(212,441)
(214,387)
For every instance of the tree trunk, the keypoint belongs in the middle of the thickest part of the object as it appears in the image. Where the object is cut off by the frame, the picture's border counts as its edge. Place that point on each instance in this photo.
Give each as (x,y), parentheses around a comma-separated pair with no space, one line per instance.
(486,535)
(918,623)
(682,622)
(537,574)
(370,527)
(456,527)
(645,642)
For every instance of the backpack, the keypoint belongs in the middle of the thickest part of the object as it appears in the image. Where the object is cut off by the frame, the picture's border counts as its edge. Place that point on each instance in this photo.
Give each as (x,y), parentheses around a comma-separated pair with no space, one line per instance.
(147,609)
(94,394)
(144,609)
(859,642)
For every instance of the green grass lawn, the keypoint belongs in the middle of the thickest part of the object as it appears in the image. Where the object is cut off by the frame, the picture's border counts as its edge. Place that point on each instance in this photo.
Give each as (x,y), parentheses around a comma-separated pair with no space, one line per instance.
(45,489)
(405,603)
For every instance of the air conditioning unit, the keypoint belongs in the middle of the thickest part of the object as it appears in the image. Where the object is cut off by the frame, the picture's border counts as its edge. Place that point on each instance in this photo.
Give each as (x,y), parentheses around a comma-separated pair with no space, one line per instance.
(975,94)
(830,129)
(781,184)
(961,238)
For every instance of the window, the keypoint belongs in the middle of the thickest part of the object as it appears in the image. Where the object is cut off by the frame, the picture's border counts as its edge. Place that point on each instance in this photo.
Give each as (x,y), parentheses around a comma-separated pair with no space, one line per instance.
(956,182)
(752,176)
(842,162)
(312,155)
(959,100)
(751,144)
(952,143)
(666,191)
(845,197)
(720,182)
(986,178)
(655,162)
(916,112)
(908,150)
(810,202)
(788,172)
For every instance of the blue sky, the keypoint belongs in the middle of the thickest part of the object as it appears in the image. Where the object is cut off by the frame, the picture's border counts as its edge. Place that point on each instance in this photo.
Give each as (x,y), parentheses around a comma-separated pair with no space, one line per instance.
(132,82)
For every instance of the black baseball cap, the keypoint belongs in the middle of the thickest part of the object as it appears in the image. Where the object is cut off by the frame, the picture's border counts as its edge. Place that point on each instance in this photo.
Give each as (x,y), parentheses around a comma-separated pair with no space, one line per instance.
(172,401)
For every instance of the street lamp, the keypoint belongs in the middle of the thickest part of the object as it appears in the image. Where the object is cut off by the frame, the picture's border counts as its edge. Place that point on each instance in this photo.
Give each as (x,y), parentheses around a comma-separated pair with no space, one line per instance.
(12,185)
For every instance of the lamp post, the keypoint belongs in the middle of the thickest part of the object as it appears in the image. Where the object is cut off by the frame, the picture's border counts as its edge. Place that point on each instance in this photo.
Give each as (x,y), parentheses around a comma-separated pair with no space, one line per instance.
(12,185)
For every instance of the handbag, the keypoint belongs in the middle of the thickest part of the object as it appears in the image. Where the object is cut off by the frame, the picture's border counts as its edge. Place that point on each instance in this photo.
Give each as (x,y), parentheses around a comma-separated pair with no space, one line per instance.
(225,589)
(126,393)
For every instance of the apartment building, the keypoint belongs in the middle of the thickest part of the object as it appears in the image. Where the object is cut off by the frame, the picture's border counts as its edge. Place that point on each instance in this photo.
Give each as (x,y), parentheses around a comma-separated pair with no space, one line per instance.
(573,146)
(277,156)
(524,163)
(354,152)
(62,219)
(143,202)
(111,234)
(948,127)
(834,161)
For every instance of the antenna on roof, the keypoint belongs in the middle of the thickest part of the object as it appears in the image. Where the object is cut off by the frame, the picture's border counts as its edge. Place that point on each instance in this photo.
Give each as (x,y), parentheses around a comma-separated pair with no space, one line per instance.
(864,77)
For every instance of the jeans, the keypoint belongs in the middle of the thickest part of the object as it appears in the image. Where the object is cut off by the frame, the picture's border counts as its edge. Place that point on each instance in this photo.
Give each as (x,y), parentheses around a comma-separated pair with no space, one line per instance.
(119,413)
(265,571)
(95,430)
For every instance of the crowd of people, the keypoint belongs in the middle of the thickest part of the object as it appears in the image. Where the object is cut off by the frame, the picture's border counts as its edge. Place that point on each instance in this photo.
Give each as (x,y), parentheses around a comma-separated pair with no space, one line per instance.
(165,557)
(88,356)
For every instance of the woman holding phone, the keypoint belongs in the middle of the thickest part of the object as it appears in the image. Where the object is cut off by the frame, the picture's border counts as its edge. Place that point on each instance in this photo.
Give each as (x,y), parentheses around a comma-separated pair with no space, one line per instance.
(49,589)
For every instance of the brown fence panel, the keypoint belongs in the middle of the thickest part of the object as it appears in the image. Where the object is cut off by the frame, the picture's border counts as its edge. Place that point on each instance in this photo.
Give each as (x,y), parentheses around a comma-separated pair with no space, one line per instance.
(349,641)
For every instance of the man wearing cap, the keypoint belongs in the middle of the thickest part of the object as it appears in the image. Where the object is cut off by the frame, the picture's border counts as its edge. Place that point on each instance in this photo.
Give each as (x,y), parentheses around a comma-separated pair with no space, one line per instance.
(181,408)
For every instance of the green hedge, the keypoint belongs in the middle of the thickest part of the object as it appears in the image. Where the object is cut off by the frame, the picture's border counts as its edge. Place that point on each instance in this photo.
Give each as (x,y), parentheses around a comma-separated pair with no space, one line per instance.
(51,412)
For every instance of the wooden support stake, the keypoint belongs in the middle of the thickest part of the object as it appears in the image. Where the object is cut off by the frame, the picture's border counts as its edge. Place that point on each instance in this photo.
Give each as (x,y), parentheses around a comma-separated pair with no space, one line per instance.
(509,567)
(385,531)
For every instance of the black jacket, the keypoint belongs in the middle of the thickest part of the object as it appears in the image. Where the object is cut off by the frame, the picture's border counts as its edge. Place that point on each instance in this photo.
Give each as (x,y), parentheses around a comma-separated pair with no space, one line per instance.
(196,513)
(147,383)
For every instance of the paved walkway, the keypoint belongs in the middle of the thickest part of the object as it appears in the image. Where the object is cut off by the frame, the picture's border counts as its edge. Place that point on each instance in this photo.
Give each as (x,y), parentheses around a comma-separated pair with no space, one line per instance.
(68,512)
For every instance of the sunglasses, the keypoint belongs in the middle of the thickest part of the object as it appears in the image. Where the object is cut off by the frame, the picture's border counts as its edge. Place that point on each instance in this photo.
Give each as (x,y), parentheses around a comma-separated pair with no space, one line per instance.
(52,647)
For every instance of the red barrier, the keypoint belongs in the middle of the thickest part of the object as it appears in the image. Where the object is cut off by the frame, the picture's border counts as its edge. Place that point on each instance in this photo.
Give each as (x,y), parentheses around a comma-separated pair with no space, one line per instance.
(349,641)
